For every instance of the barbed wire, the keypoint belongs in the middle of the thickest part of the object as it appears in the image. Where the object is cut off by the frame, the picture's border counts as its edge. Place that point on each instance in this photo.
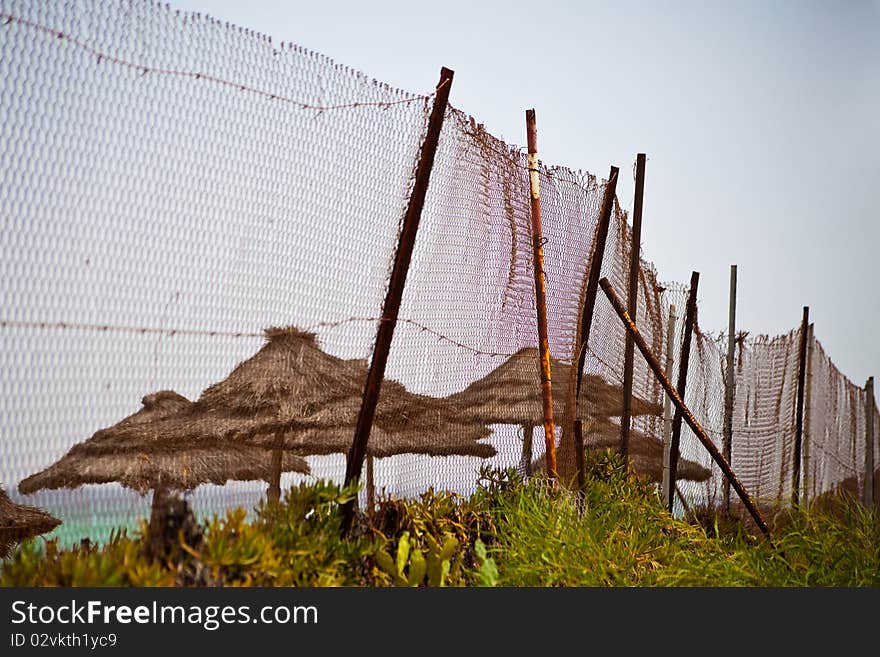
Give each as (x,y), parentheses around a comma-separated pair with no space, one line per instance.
(171,332)
(111,328)
(145,69)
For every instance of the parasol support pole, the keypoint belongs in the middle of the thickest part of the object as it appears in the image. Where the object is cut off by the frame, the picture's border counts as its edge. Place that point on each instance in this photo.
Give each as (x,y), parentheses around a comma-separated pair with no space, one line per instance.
(697,428)
(526,458)
(273,493)
(632,303)
(394,294)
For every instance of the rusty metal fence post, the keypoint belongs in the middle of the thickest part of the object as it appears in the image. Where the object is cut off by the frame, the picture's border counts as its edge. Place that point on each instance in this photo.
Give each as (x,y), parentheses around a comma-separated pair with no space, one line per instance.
(569,442)
(665,479)
(683,364)
(799,410)
(729,383)
(541,294)
(868,487)
(680,406)
(393,296)
(809,484)
(632,303)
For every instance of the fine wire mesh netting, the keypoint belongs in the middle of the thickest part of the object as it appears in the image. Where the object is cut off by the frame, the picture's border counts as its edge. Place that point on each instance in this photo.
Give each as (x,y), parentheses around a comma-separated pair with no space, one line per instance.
(189,206)
(157,219)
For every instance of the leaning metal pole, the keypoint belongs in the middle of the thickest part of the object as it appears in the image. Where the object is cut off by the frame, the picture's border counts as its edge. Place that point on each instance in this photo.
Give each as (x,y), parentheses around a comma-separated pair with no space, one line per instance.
(868,483)
(393,296)
(541,295)
(799,410)
(690,318)
(666,482)
(697,428)
(632,303)
(582,337)
(729,383)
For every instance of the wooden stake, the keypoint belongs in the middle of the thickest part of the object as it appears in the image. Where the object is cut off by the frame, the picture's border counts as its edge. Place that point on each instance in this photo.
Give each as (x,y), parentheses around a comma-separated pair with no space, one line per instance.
(541,295)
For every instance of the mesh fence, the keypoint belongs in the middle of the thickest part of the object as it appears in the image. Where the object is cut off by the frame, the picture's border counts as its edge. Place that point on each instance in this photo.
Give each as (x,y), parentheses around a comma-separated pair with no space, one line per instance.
(173,187)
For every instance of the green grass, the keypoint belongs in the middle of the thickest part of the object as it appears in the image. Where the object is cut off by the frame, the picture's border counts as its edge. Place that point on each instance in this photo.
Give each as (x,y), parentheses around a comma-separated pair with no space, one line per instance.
(509,533)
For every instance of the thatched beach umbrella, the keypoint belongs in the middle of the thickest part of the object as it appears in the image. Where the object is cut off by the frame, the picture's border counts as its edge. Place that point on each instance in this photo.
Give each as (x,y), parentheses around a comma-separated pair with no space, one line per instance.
(646,452)
(511,394)
(293,395)
(19,522)
(133,454)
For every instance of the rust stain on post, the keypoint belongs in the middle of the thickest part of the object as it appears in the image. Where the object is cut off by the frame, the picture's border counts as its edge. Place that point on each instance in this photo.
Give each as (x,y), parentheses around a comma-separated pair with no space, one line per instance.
(541,294)
(697,428)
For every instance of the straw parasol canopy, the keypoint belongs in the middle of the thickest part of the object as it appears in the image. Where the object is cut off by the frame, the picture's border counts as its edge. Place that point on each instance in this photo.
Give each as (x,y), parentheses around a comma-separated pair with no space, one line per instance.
(133,454)
(19,522)
(645,451)
(292,394)
(291,384)
(511,394)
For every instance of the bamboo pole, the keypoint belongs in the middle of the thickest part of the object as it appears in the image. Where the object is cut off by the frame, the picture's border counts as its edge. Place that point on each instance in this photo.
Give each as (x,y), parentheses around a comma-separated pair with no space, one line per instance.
(541,295)
(680,406)
(868,487)
(394,294)
(729,383)
(683,364)
(632,303)
(665,490)
(799,411)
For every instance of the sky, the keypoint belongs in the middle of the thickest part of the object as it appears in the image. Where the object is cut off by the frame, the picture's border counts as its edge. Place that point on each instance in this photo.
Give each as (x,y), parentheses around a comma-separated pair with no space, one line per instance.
(758,120)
